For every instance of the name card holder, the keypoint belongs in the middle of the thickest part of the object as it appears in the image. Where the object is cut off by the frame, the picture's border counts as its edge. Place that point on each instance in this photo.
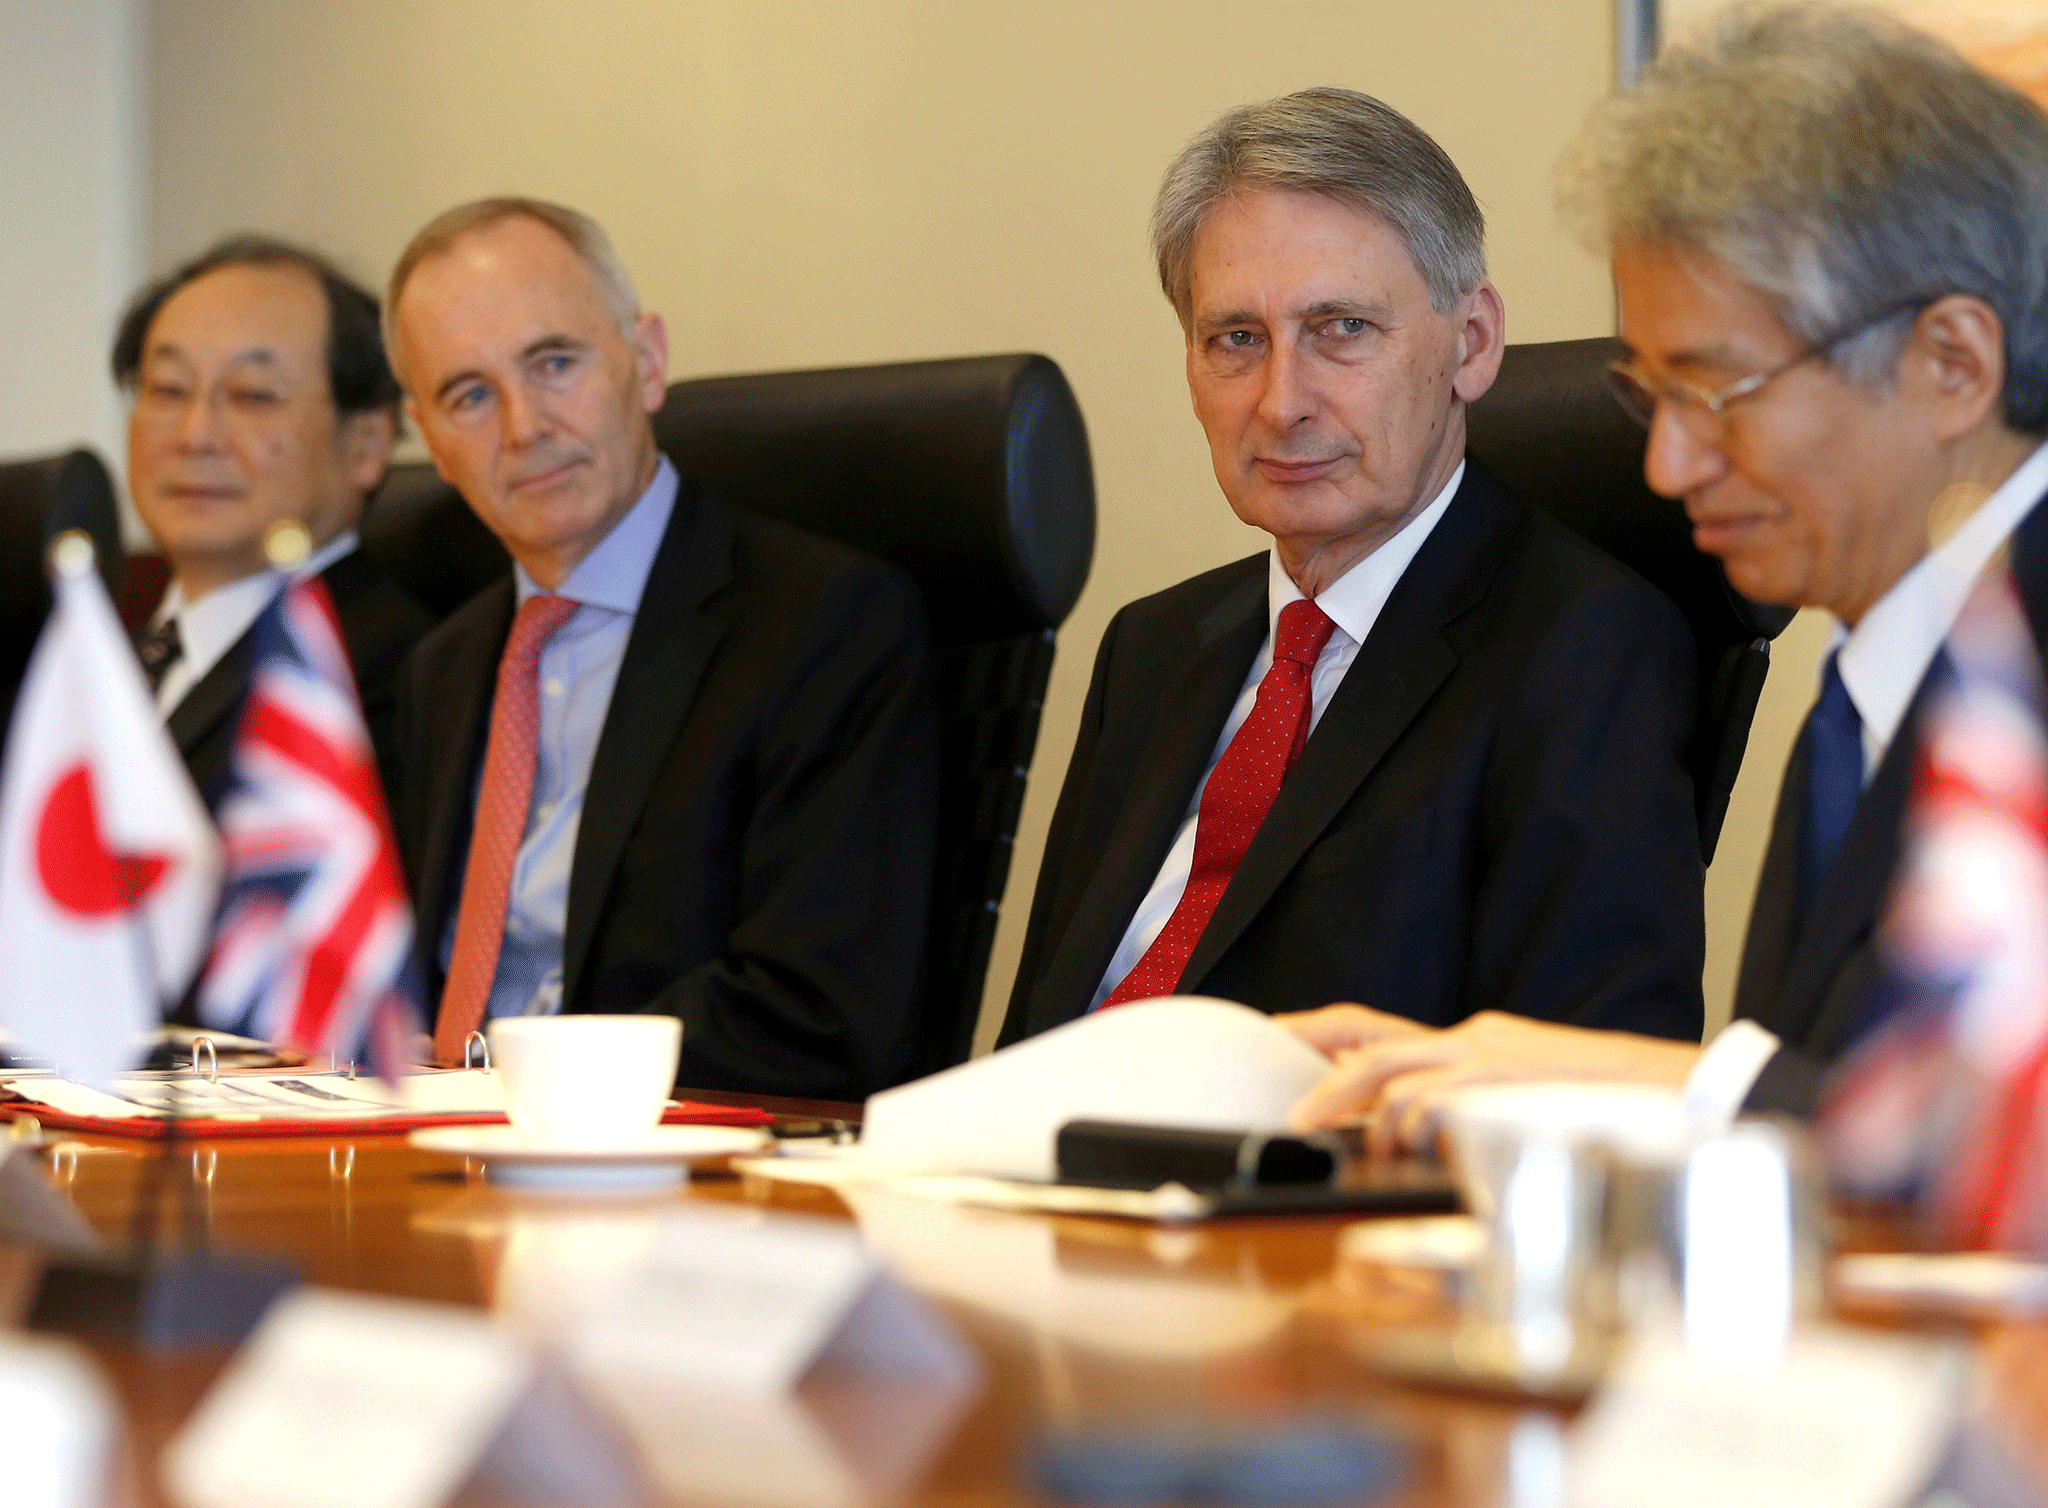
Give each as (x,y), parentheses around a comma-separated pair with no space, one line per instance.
(1842,1419)
(346,1401)
(751,1303)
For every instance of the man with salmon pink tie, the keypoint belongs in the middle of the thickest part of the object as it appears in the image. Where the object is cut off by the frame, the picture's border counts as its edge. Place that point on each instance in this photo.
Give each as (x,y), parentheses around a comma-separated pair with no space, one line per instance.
(684,760)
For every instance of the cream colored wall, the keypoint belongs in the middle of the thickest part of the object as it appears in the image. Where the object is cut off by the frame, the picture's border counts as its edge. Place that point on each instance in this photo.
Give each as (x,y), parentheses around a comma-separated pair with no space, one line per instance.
(806,184)
(71,185)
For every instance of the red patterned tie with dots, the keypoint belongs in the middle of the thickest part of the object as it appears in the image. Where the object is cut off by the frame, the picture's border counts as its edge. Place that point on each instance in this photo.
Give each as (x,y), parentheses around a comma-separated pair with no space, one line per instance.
(500,827)
(1240,791)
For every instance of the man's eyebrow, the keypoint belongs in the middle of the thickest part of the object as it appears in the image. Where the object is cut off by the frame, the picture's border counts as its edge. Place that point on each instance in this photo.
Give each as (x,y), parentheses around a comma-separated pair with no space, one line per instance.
(550,343)
(1224,319)
(254,356)
(1346,308)
(1692,358)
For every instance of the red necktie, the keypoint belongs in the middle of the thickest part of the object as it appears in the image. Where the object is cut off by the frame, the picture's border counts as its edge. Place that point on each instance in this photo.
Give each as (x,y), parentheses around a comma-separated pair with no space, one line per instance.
(1240,791)
(500,827)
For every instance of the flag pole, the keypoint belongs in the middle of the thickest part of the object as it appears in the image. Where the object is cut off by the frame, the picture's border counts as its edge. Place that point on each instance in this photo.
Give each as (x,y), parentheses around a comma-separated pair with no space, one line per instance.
(72,557)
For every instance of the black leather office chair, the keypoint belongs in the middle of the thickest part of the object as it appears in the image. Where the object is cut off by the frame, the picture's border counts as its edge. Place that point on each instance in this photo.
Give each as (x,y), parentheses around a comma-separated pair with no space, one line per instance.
(972,475)
(40,498)
(1551,431)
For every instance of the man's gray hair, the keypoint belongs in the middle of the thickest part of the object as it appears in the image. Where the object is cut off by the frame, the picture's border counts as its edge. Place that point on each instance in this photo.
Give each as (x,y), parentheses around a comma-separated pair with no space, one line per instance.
(584,235)
(1843,165)
(1345,146)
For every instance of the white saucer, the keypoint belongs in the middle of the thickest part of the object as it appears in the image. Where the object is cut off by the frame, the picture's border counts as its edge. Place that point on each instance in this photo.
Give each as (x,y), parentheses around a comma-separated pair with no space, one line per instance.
(661,1156)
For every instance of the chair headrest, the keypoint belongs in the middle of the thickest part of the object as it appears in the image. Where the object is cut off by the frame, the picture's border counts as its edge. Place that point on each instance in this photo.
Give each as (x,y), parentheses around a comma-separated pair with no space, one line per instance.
(1551,431)
(971,474)
(41,497)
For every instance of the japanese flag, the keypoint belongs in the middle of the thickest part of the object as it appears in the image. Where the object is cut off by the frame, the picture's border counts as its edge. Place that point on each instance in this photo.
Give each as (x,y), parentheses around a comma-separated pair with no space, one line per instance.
(109,866)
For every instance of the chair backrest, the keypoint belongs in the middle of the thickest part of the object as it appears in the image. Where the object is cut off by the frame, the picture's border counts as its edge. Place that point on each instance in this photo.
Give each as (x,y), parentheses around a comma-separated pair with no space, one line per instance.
(41,497)
(973,476)
(1552,432)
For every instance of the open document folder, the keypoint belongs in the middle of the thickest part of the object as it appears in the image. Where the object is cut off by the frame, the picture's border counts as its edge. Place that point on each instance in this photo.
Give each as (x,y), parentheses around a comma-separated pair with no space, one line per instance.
(292,1103)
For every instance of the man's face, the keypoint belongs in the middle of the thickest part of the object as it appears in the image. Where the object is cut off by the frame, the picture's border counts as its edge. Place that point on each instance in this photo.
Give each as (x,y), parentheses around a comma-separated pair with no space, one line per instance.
(1331,391)
(233,426)
(1813,491)
(532,402)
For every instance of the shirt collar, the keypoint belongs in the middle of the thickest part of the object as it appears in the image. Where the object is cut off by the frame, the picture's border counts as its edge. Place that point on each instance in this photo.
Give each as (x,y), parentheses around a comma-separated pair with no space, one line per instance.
(614,574)
(1885,656)
(1354,600)
(209,626)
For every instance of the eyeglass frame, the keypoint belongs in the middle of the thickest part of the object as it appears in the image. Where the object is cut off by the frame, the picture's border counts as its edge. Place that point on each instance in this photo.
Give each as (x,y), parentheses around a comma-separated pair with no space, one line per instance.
(1624,383)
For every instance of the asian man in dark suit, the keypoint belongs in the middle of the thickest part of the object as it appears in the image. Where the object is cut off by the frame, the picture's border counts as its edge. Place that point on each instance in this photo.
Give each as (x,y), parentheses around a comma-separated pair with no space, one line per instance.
(1830,240)
(685,761)
(260,392)
(1425,750)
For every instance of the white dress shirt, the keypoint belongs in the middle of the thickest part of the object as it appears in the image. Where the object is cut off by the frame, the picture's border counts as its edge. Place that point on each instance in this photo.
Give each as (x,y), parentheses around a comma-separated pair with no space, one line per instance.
(211,626)
(1883,660)
(1353,602)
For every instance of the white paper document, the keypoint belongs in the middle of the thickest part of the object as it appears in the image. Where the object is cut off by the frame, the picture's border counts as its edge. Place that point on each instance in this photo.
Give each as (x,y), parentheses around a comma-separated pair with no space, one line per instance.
(1186,1061)
(283,1094)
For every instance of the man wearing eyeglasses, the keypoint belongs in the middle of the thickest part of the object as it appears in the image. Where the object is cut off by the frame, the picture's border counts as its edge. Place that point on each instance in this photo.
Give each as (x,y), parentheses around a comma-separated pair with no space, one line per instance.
(1426,747)
(260,394)
(1830,243)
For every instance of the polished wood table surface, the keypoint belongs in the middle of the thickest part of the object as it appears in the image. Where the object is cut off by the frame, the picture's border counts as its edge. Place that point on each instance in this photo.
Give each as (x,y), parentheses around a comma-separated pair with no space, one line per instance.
(1081,1323)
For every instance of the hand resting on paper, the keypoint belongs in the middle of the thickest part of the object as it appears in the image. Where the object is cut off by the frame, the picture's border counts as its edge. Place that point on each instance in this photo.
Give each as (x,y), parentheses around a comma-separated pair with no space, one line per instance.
(1393,1076)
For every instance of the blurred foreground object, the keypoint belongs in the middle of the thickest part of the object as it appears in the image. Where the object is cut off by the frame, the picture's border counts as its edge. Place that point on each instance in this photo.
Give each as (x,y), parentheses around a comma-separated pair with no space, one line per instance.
(108,865)
(1943,1103)
(314,945)
(58,1428)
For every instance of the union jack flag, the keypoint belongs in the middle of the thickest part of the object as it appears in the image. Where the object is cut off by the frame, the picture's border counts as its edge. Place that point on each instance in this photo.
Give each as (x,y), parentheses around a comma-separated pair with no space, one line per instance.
(1945,1100)
(313,945)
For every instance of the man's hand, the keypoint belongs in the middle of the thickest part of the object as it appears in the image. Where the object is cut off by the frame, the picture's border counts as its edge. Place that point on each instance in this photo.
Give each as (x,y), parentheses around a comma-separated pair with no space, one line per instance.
(1396,1079)
(1337,1029)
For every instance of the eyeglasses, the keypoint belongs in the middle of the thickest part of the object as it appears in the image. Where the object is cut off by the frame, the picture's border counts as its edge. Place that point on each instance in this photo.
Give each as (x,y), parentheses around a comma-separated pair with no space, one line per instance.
(1639,395)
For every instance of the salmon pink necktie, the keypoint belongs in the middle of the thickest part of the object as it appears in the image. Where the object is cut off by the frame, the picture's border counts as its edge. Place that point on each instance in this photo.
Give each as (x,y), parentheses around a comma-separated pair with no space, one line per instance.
(1240,791)
(500,827)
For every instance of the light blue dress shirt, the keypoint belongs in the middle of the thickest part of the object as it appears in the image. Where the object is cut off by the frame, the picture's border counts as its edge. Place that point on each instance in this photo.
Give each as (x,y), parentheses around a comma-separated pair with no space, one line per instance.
(578,668)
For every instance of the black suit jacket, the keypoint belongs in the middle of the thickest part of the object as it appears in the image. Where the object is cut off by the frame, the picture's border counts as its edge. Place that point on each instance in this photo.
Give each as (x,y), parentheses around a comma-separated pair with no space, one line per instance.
(1493,811)
(756,847)
(380,622)
(1809,980)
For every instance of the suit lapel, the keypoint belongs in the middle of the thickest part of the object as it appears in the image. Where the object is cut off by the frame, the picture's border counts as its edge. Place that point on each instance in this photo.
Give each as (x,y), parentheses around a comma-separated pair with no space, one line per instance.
(214,697)
(1192,707)
(1845,909)
(1773,914)
(1399,667)
(667,652)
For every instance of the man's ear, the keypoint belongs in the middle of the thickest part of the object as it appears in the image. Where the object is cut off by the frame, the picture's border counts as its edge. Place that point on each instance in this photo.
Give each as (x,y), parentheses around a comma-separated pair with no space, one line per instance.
(1482,338)
(1955,360)
(650,350)
(366,442)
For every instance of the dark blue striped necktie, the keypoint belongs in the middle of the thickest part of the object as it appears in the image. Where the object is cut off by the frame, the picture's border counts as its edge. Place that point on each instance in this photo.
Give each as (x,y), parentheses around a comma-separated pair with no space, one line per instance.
(1834,780)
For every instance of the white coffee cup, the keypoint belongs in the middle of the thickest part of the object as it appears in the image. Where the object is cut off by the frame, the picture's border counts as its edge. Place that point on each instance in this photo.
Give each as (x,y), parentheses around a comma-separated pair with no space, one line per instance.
(586,1081)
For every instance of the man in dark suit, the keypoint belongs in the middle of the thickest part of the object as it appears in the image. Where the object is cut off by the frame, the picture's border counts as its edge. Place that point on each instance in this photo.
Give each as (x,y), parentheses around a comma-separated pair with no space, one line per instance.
(704,783)
(260,393)
(1427,750)
(1830,241)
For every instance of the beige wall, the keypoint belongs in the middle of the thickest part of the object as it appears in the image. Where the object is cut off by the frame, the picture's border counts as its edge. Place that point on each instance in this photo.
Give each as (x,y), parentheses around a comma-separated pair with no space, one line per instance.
(804,184)
(71,193)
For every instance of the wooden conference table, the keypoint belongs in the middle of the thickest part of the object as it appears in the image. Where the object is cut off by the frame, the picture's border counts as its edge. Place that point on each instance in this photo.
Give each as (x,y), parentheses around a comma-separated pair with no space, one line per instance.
(1080,1322)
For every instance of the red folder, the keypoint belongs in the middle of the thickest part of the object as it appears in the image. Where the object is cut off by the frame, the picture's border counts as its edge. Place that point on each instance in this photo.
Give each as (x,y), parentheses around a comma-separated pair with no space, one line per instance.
(211,1128)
